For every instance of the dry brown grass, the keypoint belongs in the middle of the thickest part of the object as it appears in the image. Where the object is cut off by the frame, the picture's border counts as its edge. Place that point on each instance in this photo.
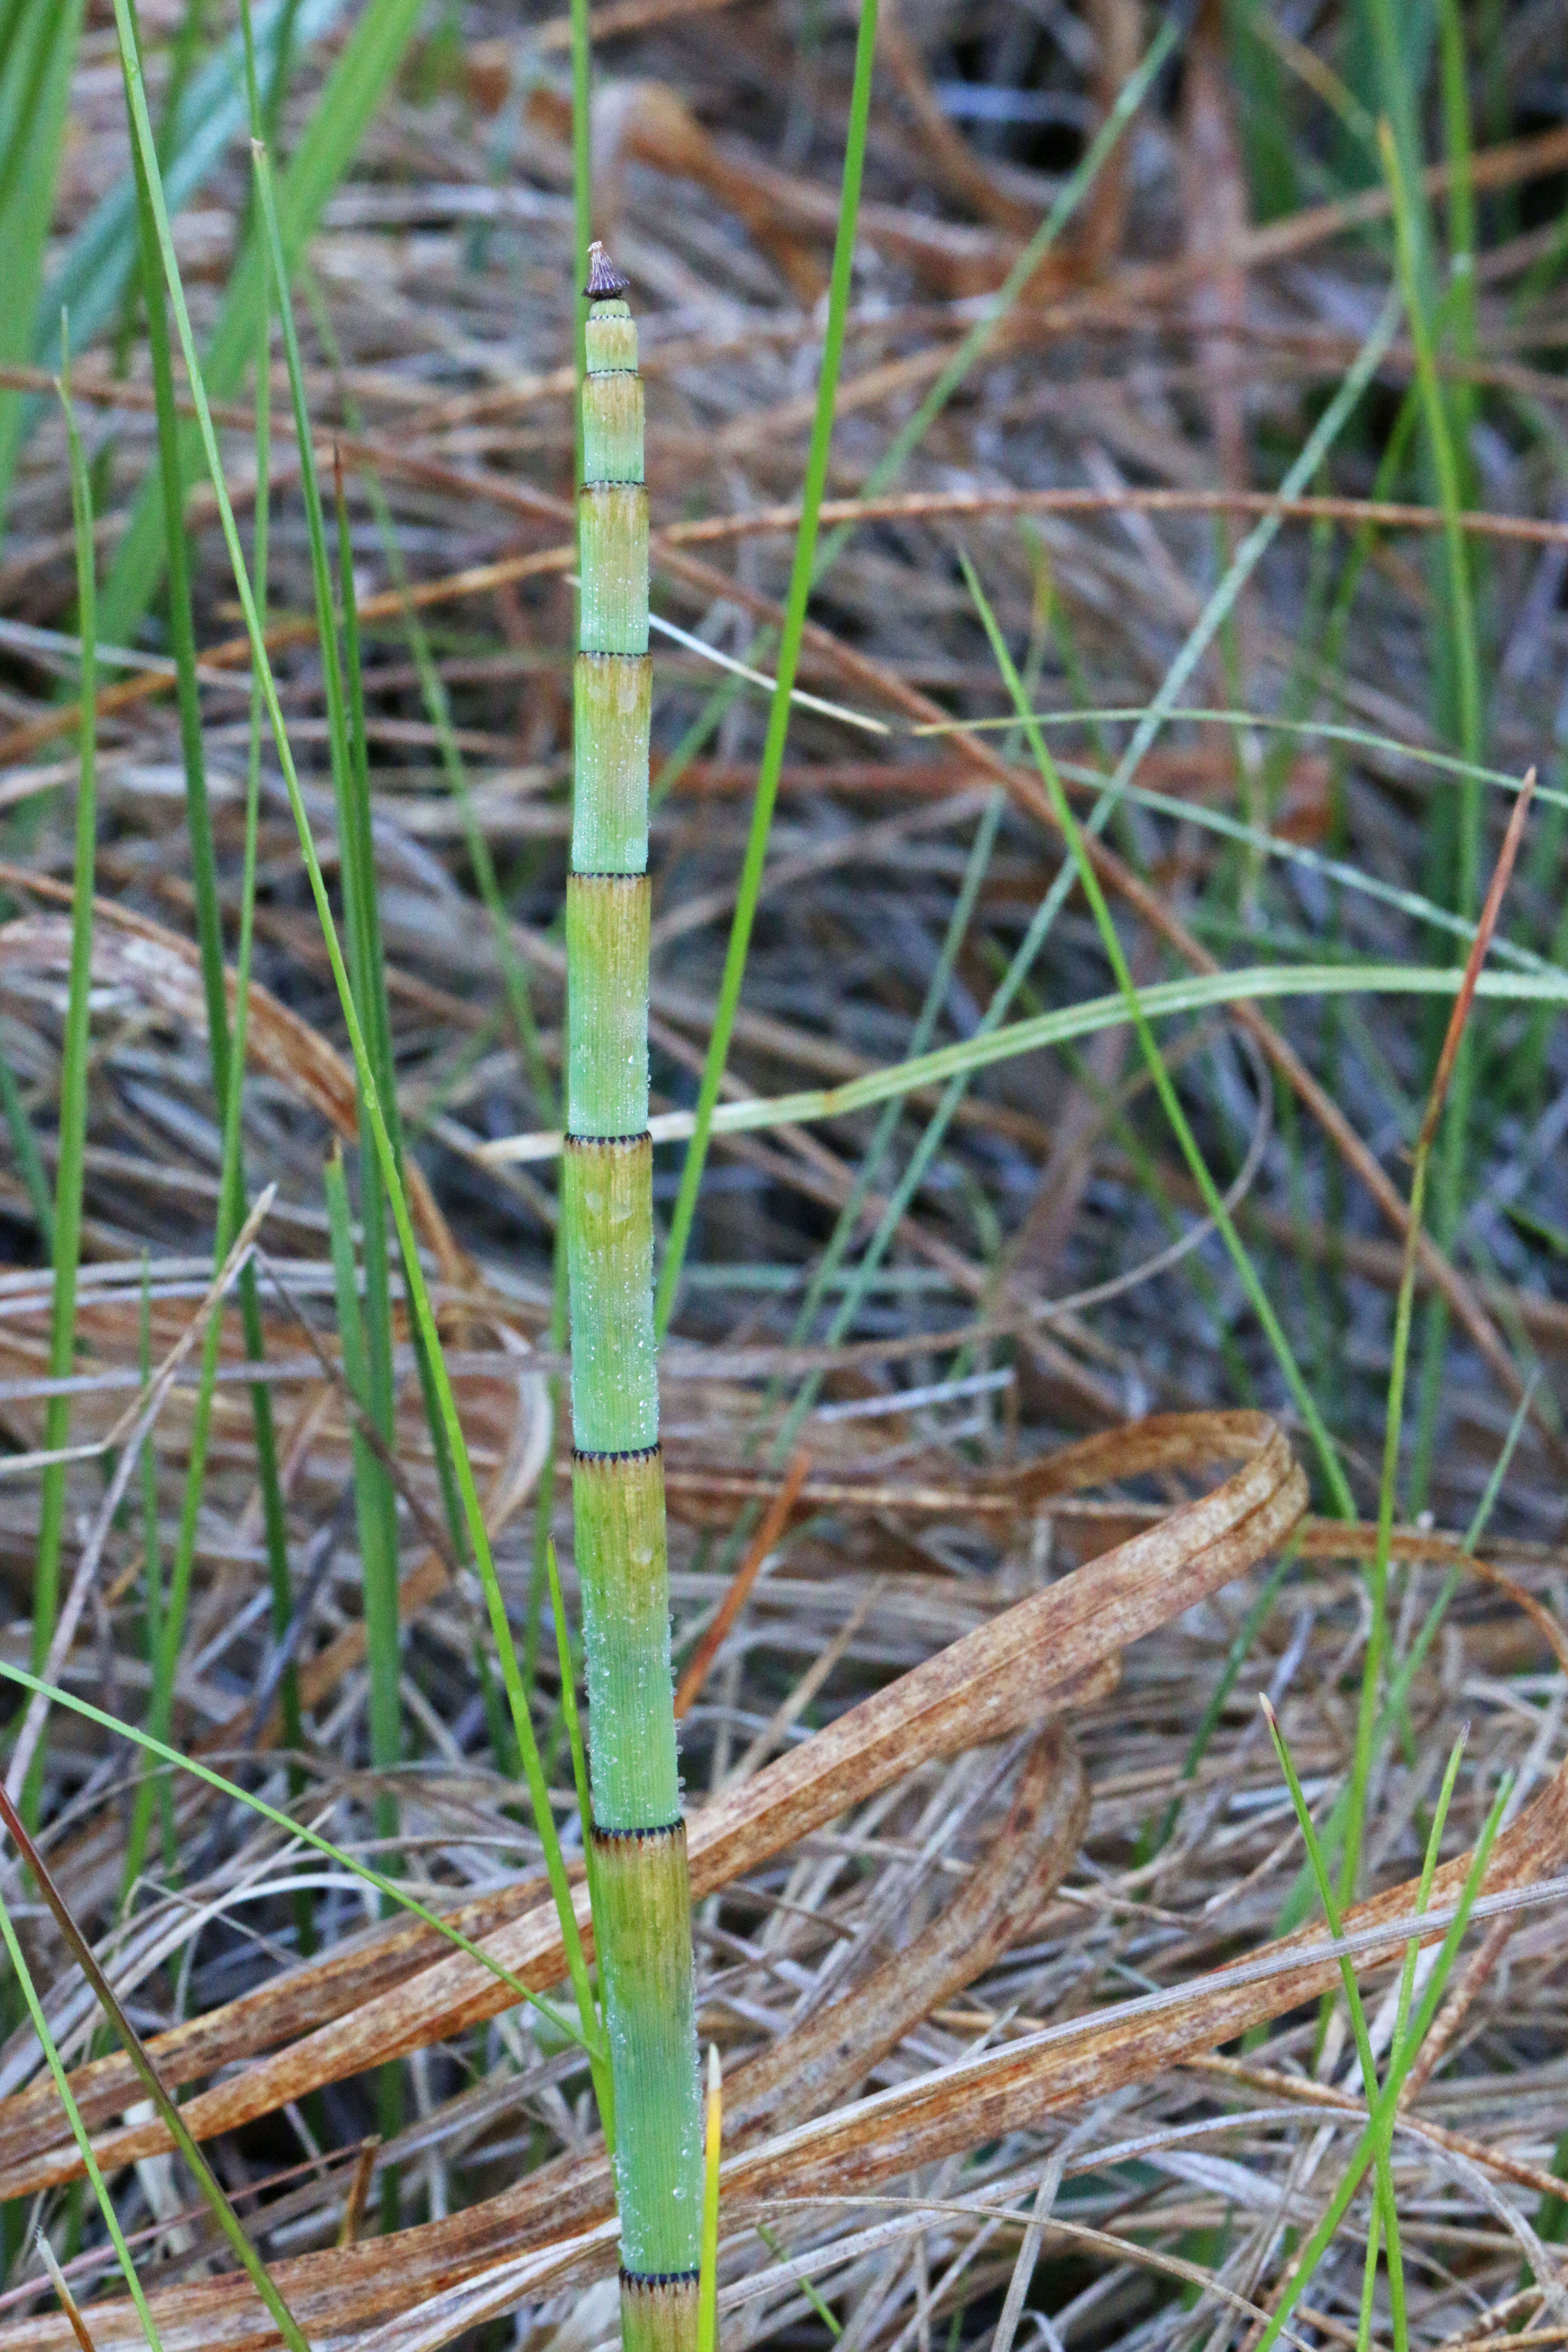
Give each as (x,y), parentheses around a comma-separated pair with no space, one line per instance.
(975,1918)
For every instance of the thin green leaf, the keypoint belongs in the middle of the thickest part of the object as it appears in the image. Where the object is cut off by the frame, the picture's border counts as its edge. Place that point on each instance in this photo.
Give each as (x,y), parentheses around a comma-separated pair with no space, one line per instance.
(1155,1061)
(802,574)
(178,1762)
(1386,2107)
(80,2132)
(345,105)
(1388,2208)
(35,86)
(1159,1001)
(169,2114)
(72,1133)
(419,1297)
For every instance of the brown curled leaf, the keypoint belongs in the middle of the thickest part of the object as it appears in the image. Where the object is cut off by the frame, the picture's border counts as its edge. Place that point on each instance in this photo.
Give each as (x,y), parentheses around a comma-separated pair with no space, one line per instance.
(1047,1654)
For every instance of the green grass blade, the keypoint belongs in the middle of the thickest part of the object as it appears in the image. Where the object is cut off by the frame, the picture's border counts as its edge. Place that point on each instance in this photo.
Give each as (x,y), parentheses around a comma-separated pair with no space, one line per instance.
(1428,1869)
(1164,1086)
(1159,1001)
(802,573)
(166,1663)
(1215,612)
(35,86)
(374,1512)
(1389,2211)
(99,260)
(379,1575)
(29,1160)
(1438,1105)
(1459,648)
(176,1760)
(380,1561)
(348,99)
(365,868)
(1235,1657)
(872,1161)
(1396,1698)
(275,1526)
(203,859)
(1386,2107)
(181,626)
(67,1252)
(80,2132)
(169,2114)
(371,1377)
(439,710)
(152,1540)
(1074,189)
(980,336)
(424,1313)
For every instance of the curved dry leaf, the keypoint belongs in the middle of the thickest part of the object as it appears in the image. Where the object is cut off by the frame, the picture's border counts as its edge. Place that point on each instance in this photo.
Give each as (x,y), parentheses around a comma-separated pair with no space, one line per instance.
(1039,1658)
(131,953)
(439,2279)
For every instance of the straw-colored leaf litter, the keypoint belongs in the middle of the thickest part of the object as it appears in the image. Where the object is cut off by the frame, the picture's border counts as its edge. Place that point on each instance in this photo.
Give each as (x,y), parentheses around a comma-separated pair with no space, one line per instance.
(1172,607)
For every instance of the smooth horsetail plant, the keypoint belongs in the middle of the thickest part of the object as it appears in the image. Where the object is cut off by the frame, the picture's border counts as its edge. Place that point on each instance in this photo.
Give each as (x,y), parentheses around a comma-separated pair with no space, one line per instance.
(641,1900)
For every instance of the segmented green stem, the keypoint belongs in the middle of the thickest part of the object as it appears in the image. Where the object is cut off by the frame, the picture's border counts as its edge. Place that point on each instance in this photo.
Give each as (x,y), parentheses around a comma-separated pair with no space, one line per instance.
(642,1903)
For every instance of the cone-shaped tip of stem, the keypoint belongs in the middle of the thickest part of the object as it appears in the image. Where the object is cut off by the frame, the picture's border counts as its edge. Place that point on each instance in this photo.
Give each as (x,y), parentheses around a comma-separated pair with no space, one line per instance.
(605,280)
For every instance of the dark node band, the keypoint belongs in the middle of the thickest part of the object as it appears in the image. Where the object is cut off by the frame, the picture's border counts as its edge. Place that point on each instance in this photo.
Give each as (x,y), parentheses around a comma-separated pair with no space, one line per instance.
(606,1142)
(654,1830)
(588,653)
(647,2281)
(604,874)
(627,1453)
(593,373)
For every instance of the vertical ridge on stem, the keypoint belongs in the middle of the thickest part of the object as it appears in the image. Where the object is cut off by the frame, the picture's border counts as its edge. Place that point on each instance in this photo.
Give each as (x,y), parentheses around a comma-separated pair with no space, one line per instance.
(641,1890)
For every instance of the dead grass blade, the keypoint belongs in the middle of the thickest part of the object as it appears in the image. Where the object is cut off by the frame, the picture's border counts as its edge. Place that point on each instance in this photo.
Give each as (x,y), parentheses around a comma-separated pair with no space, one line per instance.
(451,2275)
(133,953)
(1040,1658)
(264,2286)
(129,1435)
(694,1674)
(1145,901)
(61,2285)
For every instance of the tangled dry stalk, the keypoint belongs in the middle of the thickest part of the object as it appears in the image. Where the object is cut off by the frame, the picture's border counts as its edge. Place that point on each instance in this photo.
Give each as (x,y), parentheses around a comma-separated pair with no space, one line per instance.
(990,1855)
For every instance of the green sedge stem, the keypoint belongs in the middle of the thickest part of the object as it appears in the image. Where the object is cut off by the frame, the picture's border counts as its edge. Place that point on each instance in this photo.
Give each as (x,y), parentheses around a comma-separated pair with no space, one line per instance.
(216,2198)
(802,574)
(80,2132)
(1387,2208)
(1385,2108)
(1164,1086)
(418,1292)
(67,1252)
(178,1761)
